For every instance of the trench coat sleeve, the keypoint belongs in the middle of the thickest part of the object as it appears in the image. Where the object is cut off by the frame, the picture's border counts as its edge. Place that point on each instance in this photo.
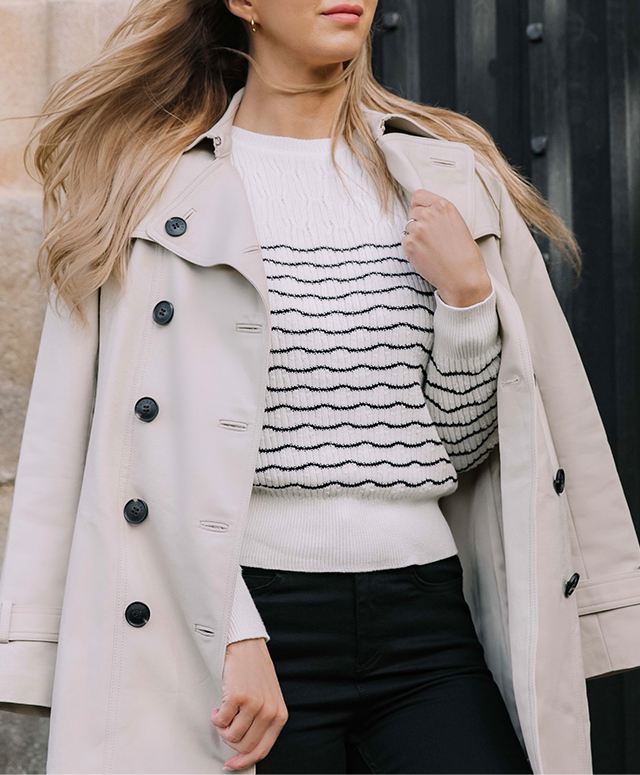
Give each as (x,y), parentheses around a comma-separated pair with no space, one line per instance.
(461,380)
(604,544)
(46,495)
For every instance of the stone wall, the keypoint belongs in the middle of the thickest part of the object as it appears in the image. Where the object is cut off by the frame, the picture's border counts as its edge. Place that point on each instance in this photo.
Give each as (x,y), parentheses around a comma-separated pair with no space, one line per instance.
(40,41)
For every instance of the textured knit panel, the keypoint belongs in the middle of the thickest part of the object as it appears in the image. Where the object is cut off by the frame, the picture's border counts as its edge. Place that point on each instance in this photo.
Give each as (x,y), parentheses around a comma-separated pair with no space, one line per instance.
(362,432)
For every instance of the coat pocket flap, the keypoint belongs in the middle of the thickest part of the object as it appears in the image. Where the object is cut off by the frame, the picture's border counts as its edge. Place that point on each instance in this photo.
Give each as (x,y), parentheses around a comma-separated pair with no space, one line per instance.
(28,623)
(608,592)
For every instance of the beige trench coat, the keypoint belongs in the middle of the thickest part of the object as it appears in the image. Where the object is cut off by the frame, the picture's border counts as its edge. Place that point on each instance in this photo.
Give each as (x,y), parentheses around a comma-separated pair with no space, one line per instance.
(127,699)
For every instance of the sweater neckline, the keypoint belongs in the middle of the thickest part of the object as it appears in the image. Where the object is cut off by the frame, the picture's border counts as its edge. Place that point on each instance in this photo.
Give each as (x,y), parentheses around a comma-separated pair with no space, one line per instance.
(280,143)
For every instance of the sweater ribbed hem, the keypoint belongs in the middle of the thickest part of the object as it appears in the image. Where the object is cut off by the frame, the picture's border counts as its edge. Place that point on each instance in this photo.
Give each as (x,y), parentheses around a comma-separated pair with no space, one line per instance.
(343,534)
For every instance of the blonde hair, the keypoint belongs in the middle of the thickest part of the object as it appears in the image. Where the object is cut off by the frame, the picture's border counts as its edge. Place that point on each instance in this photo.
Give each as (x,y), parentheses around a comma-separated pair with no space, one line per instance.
(110,135)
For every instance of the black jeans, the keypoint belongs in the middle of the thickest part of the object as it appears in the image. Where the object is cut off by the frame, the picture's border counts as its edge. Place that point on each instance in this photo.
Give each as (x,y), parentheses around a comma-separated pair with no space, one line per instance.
(382,672)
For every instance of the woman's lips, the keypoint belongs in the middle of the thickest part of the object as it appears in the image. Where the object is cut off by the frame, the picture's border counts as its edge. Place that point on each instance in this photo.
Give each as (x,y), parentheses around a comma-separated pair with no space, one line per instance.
(345,18)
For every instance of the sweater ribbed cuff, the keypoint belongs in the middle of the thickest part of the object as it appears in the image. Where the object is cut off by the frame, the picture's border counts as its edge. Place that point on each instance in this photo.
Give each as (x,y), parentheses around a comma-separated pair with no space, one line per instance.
(246,621)
(465,333)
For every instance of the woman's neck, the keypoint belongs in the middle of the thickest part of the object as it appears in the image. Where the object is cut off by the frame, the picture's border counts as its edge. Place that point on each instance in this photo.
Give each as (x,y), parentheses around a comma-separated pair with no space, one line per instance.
(304,116)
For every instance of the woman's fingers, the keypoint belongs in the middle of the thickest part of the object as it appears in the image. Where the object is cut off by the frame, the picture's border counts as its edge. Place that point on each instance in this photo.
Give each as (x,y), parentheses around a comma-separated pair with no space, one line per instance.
(247,727)
(423,197)
(440,247)
(259,751)
(253,710)
(226,713)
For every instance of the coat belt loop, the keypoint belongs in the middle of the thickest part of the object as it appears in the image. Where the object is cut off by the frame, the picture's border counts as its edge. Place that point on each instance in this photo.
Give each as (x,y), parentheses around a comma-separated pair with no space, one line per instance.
(5,619)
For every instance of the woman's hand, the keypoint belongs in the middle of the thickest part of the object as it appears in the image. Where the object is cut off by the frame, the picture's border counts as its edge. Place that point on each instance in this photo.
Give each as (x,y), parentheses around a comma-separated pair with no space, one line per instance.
(253,710)
(441,249)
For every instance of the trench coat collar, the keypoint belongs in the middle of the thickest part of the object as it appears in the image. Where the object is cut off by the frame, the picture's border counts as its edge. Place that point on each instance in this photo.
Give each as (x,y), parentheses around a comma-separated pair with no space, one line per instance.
(206,190)
(220,132)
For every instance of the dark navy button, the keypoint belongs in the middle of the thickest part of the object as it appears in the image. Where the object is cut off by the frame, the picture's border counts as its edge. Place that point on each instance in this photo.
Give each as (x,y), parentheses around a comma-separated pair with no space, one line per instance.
(558,482)
(175,227)
(146,409)
(163,312)
(135,511)
(571,584)
(137,614)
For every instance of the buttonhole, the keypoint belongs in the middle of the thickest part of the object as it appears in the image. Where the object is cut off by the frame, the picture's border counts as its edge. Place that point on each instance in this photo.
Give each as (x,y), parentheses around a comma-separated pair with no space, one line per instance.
(234,425)
(249,328)
(203,630)
(189,214)
(218,527)
(443,162)
(512,381)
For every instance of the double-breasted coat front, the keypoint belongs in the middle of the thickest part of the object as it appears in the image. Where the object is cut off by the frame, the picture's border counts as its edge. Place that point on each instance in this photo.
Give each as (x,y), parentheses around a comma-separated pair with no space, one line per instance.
(114,613)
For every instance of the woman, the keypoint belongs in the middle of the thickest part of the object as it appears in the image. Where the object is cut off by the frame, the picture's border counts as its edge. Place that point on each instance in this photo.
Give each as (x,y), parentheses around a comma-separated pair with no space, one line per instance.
(164,423)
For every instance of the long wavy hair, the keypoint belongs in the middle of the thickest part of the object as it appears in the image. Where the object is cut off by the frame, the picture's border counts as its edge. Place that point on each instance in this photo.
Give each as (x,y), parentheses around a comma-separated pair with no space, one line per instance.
(110,134)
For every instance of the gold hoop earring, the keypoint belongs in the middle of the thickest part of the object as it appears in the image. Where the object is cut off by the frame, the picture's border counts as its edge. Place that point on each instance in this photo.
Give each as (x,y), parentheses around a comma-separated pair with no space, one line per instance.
(253,25)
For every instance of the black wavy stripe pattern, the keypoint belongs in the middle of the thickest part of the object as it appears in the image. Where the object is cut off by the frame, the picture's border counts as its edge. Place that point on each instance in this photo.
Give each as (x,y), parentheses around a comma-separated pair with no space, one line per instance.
(351,372)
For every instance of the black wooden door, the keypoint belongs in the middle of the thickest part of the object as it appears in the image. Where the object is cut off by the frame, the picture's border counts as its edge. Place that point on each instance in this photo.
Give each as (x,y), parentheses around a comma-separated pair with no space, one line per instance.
(557,84)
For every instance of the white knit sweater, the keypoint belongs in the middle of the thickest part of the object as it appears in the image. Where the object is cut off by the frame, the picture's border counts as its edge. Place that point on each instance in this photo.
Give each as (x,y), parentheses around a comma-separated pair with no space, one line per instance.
(378,392)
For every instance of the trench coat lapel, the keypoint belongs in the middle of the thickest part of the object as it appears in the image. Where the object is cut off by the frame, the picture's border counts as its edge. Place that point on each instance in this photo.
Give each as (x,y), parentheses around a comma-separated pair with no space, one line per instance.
(206,191)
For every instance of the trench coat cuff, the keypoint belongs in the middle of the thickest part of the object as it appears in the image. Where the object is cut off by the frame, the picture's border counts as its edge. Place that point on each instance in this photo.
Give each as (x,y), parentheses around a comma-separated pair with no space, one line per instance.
(26,676)
(246,621)
(609,610)
(466,334)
